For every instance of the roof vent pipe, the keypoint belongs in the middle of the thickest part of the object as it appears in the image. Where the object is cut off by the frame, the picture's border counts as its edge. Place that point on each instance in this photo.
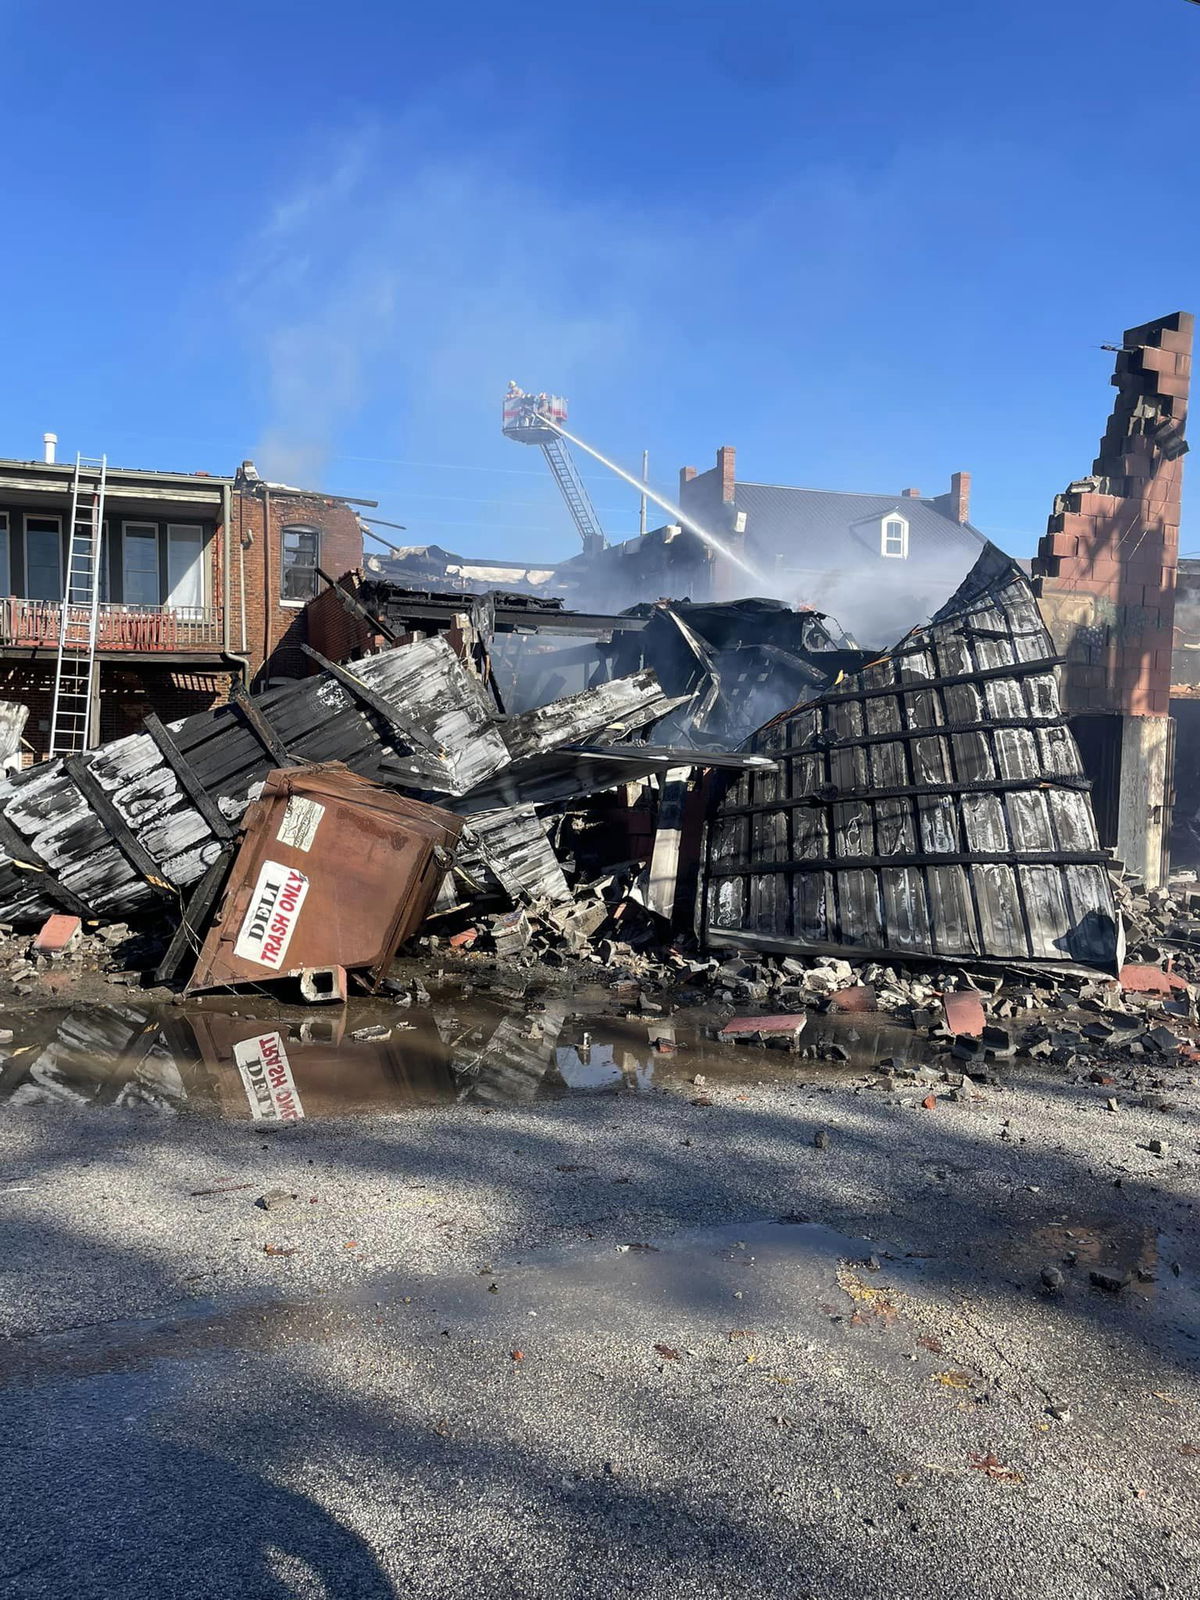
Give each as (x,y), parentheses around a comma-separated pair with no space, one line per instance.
(49,444)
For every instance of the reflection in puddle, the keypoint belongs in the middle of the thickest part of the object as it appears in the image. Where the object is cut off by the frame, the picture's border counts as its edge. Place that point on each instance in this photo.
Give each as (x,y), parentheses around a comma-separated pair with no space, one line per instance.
(604,1066)
(288,1066)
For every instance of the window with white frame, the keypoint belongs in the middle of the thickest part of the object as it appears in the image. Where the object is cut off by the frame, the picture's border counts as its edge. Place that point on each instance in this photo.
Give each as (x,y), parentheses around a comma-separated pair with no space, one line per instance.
(185,569)
(895,537)
(43,558)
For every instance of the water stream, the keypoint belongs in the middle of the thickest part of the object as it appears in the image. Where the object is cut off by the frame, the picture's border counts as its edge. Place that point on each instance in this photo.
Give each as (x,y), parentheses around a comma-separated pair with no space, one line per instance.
(673,511)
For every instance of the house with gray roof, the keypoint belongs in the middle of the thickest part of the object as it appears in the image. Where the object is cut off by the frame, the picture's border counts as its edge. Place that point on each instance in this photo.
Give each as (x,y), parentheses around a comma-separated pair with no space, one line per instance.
(877,564)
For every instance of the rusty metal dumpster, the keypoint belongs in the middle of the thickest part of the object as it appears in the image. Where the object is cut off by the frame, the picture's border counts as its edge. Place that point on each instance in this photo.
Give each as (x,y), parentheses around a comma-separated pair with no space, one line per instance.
(331,872)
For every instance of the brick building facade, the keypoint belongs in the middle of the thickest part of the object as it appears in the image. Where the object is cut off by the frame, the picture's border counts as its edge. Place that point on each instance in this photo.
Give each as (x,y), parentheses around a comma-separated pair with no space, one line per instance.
(1105,574)
(203,583)
(279,538)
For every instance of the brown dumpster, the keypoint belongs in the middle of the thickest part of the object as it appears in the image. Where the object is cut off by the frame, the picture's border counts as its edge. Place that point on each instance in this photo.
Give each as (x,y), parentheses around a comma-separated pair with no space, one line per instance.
(332,871)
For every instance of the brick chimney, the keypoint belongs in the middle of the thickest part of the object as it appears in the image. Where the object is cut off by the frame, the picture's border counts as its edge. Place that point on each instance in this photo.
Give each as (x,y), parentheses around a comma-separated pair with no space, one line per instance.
(686,474)
(960,496)
(726,456)
(911,494)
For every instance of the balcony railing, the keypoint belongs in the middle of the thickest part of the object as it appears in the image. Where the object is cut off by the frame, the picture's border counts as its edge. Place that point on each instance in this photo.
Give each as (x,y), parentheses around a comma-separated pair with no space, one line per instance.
(152,629)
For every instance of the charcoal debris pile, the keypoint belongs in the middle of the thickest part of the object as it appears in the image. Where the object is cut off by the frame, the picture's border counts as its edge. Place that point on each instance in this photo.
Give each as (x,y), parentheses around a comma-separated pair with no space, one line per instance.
(925,808)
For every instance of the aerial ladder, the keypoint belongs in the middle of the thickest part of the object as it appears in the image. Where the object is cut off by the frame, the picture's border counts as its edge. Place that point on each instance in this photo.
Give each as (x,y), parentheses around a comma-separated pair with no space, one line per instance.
(529,419)
(71,729)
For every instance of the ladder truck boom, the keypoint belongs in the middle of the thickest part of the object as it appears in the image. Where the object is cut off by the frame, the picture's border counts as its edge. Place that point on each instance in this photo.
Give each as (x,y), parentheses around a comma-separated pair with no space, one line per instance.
(529,419)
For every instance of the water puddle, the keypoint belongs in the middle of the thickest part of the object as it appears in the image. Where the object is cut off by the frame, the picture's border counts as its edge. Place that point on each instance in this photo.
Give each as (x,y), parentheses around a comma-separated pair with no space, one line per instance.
(260,1061)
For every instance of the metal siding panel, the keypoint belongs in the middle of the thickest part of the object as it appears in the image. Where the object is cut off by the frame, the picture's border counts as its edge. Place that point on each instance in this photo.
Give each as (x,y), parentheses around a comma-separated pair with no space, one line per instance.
(853,829)
(1001,922)
(972,757)
(895,834)
(939,824)
(812,901)
(905,908)
(1016,753)
(1029,820)
(983,823)
(1090,898)
(952,911)
(859,915)
(1047,912)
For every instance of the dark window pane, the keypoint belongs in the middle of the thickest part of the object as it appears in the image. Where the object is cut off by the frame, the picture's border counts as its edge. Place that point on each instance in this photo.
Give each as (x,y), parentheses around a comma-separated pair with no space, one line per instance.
(301,557)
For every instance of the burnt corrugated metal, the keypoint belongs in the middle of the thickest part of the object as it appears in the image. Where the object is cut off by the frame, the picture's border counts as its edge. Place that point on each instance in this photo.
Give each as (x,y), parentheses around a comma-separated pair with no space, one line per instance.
(931,805)
(428,726)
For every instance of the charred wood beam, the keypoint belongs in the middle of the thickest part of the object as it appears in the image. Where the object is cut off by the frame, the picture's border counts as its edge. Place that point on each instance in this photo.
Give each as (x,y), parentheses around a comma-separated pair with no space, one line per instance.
(218,825)
(829,794)
(405,609)
(993,858)
(355,606)
(1011,669)
(836,741)
(189,935)
(677,755)
(261,728)
(26,859)
(778,944)
(118,830)
(357,690)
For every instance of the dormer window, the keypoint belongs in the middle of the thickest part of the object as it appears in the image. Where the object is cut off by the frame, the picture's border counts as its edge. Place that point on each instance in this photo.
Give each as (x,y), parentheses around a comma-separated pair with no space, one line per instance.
(894,541)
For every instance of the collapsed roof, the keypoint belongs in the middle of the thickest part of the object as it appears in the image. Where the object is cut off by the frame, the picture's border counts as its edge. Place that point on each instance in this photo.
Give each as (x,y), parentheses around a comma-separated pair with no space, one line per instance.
(927,804)
(932,804)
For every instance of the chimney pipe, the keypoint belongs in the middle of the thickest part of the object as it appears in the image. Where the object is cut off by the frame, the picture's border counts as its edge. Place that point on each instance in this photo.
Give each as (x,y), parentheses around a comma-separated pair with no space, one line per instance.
(49,443)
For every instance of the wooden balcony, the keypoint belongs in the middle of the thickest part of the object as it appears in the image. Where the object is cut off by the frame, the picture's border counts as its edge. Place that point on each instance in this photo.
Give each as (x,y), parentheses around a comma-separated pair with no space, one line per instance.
(149,630)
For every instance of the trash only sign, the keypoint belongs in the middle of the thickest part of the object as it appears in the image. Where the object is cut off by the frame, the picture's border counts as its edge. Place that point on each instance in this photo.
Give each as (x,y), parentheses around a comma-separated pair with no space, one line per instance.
(267,1079)
(275,907)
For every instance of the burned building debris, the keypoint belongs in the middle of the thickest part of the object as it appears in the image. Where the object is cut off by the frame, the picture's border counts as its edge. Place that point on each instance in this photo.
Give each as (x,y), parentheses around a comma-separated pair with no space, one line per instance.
(926,805)
(931,805)
(712,773)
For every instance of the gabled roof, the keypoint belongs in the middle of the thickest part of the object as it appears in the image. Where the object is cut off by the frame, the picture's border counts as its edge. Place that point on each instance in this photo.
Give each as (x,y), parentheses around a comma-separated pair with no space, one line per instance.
(813,522)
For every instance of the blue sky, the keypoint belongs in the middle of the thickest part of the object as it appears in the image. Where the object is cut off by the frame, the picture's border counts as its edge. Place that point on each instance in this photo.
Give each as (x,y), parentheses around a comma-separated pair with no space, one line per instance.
(865,242)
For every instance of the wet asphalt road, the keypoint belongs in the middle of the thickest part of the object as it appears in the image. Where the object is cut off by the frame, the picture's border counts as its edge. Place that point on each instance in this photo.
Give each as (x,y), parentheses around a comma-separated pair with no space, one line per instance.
(454,1385)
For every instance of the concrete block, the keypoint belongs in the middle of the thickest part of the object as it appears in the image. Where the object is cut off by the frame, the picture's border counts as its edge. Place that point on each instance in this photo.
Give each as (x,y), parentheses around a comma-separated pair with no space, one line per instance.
(324,985)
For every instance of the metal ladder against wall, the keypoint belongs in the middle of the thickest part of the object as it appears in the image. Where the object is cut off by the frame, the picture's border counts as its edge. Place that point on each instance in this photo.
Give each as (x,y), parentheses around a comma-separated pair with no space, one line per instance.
(71,728)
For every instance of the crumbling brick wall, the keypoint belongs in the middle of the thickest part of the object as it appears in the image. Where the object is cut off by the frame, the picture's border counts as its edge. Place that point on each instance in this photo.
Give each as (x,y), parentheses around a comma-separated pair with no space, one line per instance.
(336,631)
(1106,567)
(275,630)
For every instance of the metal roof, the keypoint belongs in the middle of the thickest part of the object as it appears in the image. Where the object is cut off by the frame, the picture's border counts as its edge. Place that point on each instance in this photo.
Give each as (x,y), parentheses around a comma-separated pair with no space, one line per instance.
(813,525)
(932,805)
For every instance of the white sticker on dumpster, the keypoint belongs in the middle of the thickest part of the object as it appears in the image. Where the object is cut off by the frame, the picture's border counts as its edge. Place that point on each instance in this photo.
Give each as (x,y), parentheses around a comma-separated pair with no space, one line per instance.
(267,1079)
(301,819)
(275,906)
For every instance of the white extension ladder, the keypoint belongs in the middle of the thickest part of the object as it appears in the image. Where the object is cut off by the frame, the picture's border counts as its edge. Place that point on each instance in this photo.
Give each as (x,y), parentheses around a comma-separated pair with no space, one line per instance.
(71,728)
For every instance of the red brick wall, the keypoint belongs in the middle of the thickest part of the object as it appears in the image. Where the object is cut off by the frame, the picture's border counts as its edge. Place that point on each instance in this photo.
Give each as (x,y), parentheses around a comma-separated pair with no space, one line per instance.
(128,690)
(1105,568)
(274,631)
(709,496)
(334,630)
